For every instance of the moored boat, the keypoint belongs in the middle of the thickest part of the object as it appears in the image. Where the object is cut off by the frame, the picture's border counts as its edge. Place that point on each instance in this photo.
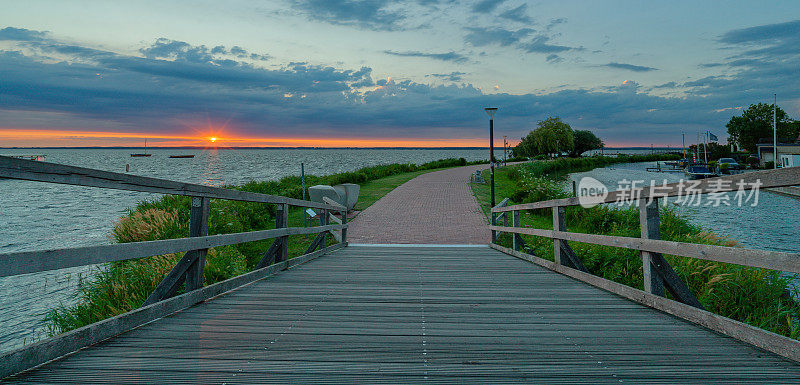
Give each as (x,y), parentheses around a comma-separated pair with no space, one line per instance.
(698,171)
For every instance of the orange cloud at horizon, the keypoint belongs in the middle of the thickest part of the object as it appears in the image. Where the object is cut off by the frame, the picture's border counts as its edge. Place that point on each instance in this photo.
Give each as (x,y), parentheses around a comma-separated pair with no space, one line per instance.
(79,138)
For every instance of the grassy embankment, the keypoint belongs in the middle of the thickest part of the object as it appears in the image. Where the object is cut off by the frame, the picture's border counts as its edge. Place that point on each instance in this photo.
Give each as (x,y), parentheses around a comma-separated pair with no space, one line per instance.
(758,297)
(123,286)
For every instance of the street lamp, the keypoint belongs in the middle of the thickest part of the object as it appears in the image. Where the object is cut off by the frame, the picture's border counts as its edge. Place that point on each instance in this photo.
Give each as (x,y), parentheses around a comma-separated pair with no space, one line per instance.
(491,111)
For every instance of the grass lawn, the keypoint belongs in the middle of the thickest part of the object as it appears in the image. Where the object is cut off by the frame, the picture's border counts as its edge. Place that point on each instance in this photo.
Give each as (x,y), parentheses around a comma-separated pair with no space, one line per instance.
(502,184)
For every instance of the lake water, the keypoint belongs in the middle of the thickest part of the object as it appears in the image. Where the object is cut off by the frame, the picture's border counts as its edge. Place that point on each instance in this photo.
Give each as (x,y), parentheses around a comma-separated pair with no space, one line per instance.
(773,224)
(40,216)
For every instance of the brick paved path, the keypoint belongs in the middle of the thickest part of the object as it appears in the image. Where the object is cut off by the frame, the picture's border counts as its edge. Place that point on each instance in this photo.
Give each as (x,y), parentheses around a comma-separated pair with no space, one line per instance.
(437,207)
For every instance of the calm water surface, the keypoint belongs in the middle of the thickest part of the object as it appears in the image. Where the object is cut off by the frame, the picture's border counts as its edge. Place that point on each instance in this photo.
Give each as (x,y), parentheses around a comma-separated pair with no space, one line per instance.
(38,216)
(773,224)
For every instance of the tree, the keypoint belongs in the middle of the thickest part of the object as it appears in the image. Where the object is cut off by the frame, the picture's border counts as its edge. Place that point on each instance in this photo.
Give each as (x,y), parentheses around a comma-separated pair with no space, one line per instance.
(756,123)
(585,141)
(551,135)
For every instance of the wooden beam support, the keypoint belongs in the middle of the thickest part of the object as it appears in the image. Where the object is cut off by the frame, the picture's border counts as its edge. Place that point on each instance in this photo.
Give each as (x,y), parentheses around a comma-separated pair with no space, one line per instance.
(657,272)
(516,240)
(650,227)
(198,227)
(269,257)
(315,243)
(282,221)
(568,255)
(559,224)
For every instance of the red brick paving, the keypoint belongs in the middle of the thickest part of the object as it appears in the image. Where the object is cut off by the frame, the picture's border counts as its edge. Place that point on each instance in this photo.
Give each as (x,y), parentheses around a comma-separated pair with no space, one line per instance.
(433,208)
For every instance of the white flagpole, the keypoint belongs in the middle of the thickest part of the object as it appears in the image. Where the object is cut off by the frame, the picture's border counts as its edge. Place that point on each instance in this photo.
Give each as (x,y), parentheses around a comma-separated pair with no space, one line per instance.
(705,152)
(775,132)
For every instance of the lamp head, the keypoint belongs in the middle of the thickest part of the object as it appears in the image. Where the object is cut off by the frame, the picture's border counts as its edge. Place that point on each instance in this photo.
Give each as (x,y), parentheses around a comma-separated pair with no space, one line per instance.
(490,111)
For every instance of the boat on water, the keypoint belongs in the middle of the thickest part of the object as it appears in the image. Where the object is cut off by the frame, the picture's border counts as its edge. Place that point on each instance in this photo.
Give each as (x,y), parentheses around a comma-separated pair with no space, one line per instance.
(39,158)
(698,171)
(181,156)
(144,154)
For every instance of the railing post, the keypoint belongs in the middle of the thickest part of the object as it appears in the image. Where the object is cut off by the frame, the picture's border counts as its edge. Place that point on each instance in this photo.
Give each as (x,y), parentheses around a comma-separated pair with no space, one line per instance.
(198,227)
(649,223)
(516,238)
(323,220)
(559,224)
(494,222)
(344,229)
(282,221)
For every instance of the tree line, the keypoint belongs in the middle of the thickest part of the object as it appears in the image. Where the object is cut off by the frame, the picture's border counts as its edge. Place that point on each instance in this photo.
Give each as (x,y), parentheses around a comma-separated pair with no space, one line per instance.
(553,136)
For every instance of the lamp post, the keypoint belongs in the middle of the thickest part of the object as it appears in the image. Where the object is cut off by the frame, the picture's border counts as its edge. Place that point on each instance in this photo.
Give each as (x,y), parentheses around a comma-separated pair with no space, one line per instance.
(490,111)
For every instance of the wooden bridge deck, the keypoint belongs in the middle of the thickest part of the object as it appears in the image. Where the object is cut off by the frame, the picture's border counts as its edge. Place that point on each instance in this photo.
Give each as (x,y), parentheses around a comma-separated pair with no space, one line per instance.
(418,314)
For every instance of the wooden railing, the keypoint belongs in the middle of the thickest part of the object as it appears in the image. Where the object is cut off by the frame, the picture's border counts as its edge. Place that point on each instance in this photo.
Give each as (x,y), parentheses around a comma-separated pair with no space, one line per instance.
(188,272)
(658,275)
(657,272)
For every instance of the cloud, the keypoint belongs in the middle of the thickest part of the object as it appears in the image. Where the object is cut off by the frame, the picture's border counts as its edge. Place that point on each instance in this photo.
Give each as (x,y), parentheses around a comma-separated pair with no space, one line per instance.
(176,50)
(21,34)
(486,6)
(540,44)
(169,83)
(629,67)
(524,39)
(366,14)
(519,14)
(455,76)
(768,41)
(445,56)
(480,36)
(763,34)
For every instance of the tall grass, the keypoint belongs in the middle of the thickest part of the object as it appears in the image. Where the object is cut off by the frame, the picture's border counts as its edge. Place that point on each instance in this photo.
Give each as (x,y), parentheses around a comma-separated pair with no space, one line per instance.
(760,297)
(122,286)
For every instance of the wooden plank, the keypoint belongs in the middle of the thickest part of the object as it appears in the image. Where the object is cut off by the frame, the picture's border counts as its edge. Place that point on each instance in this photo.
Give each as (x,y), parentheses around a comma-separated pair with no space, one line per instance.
(198,227)
(44,260)
(774,260)
(57,173)
(764,179)
(420,315)
(772,342)
(35,354)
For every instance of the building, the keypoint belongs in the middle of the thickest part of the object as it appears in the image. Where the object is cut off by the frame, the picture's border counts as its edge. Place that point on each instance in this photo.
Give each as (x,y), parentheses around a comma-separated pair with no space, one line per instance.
(788,160)
(765,153)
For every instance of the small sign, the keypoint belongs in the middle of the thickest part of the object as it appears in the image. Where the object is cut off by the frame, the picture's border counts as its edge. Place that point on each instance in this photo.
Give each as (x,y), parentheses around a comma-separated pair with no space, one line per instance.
(311,212)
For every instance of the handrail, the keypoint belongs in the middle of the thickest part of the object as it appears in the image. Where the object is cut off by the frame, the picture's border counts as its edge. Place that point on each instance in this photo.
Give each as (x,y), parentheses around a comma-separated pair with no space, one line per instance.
(765,259)
(22,169)
(763,179)
(189,269)
(44,260)
(657,273)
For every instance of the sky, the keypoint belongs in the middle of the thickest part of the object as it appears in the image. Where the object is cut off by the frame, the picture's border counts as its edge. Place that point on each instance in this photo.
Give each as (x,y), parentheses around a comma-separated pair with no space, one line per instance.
(377,73)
